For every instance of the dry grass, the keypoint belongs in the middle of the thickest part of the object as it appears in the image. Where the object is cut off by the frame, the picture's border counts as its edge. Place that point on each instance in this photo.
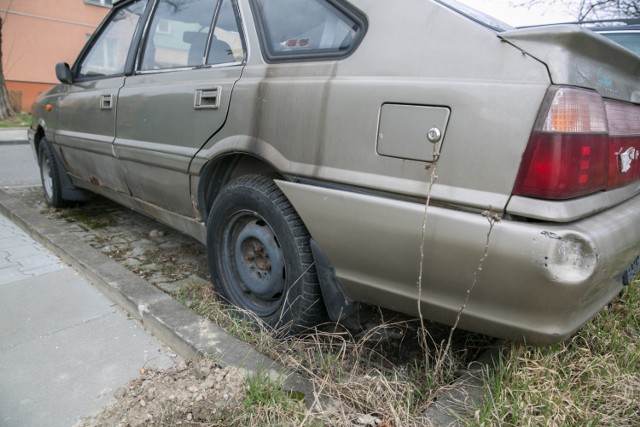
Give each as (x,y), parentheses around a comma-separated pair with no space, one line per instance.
(592,379)
(379,374)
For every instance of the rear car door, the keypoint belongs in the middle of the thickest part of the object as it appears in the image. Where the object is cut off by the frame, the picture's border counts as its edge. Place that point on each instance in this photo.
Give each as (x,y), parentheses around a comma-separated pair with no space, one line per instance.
(86,128)
(192,56)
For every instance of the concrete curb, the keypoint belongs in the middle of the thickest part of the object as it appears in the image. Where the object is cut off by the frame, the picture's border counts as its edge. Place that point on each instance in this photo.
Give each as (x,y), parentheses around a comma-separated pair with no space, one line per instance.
(176,325)
(13,136)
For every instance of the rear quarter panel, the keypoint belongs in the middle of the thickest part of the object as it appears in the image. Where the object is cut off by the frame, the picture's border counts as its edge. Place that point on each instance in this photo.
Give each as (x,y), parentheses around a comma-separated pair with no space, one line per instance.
(320,119)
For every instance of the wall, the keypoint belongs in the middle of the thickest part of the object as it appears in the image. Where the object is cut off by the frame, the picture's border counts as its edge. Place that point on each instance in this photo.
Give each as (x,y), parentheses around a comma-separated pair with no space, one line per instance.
(37,34)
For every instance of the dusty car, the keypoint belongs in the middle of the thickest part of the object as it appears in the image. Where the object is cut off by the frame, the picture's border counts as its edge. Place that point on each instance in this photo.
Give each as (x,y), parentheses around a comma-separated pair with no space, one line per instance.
(331,153)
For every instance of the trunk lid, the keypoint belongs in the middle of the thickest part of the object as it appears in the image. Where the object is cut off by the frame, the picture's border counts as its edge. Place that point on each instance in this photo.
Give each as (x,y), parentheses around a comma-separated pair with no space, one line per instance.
(579,57)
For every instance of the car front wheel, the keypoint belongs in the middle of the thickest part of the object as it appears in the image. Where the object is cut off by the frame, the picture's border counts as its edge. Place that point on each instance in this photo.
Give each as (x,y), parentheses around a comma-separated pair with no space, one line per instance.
(50,176)
(259,255)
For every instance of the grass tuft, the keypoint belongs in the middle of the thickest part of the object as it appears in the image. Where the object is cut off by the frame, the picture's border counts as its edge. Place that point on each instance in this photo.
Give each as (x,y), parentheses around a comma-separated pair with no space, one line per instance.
(591,379)
(19,120)
(382,372)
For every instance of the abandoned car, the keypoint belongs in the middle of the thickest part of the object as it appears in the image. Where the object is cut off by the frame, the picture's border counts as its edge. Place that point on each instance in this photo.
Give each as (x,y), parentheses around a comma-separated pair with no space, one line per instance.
(415,155)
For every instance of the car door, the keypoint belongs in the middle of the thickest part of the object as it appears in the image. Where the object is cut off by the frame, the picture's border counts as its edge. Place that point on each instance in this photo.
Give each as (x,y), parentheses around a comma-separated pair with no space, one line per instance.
(178,98)
(87,107)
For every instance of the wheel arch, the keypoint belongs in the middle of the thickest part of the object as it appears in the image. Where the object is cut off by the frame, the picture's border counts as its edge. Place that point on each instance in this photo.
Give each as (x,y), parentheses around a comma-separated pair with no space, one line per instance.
(69,192)
(220,171)
(37,138)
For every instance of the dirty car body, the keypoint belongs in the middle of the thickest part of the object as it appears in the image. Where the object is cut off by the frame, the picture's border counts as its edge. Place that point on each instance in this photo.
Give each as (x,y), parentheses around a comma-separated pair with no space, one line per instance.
(331,153)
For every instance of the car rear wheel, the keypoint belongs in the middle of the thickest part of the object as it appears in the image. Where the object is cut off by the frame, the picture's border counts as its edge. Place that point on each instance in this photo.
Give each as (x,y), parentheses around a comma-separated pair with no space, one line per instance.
(50,176)
(259,255)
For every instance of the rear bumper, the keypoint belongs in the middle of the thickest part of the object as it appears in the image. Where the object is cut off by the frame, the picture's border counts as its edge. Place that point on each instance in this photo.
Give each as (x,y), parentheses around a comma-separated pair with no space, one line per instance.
(539,283)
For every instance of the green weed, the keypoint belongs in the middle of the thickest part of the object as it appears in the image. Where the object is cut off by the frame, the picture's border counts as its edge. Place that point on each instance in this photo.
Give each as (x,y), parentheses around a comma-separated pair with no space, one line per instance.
(592,379)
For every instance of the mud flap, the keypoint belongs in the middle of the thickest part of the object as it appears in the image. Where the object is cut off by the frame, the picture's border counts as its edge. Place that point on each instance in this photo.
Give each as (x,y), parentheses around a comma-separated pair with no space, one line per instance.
(69,191)
(339,307)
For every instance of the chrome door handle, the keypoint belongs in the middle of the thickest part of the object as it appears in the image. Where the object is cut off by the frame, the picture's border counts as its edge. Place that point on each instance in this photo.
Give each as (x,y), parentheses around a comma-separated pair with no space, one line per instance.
(106,102)
(207,98)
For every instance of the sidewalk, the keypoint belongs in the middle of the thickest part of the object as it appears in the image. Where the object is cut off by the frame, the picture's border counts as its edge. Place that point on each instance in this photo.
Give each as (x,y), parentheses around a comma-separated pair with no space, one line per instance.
(64,347)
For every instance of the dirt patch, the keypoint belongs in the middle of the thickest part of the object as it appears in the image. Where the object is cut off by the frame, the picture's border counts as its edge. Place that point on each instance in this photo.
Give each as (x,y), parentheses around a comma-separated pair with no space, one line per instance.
(190,394)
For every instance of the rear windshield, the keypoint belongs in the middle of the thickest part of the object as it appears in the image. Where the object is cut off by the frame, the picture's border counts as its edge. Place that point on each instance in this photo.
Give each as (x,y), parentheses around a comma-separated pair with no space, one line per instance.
(628,39)
(504,15)
(476,15)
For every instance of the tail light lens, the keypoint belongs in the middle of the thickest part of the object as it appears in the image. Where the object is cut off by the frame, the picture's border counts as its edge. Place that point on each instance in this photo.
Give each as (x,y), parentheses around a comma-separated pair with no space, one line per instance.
(624,145)
(571,150)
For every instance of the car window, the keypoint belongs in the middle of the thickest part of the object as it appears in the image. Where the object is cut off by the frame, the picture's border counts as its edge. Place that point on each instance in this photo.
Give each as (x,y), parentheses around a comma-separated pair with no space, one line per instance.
(178,34)
(226,45)
(630,40)
(476,15)
(305,27)
(108,55)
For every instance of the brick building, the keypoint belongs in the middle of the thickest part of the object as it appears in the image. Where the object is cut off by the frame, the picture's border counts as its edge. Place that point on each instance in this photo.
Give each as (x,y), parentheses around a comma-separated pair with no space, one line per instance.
(37,34)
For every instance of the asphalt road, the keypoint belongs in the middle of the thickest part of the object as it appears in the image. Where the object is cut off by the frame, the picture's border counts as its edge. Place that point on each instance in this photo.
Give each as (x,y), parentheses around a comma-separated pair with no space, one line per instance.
(18,166)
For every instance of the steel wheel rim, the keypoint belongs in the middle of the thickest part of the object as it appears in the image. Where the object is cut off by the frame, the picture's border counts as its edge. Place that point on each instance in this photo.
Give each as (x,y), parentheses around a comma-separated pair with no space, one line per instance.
(47,178)
(253,263)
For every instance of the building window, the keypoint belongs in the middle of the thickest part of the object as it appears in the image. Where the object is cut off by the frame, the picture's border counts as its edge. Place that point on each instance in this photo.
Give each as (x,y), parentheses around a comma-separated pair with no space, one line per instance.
(105,3)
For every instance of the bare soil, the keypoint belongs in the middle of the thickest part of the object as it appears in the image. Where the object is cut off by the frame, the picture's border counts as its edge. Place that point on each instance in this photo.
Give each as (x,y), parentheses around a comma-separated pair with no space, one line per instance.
(194,393)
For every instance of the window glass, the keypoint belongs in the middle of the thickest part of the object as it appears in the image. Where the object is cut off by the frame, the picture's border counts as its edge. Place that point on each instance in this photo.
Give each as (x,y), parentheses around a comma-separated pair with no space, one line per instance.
(630,40)
(226,45)
(299,27)
(108,55)
(178,34)
(107,3)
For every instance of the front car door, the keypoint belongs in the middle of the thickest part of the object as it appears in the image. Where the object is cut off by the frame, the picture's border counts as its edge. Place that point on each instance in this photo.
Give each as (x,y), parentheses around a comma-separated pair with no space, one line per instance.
(86,128)
(178,98)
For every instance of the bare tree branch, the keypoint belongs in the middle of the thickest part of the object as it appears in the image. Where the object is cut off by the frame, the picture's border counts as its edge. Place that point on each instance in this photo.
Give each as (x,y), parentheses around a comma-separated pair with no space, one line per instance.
(585,10)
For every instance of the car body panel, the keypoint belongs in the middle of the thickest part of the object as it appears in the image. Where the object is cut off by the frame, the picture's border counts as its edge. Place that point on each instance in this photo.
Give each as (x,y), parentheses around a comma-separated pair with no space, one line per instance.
(147,142)
(570,210)
(378,261)
(85,133)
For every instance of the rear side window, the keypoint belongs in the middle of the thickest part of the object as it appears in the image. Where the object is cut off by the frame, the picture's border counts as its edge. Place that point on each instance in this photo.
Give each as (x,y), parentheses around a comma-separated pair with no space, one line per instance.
(178,34)
(307,29)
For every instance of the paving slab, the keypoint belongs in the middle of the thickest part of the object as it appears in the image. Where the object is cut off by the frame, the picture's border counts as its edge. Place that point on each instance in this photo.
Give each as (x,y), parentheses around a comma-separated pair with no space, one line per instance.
(64,347)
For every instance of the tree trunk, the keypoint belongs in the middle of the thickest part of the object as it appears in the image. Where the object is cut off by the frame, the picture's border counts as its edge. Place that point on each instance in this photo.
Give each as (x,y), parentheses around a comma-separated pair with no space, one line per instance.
(6,111)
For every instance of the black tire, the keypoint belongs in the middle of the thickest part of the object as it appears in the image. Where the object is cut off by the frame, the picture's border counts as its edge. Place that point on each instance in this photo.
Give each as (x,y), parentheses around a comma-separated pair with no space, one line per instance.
(260,258)
(50,176)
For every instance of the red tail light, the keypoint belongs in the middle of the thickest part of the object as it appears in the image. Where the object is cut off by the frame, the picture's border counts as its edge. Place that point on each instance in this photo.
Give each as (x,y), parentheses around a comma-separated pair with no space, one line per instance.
(571,151)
